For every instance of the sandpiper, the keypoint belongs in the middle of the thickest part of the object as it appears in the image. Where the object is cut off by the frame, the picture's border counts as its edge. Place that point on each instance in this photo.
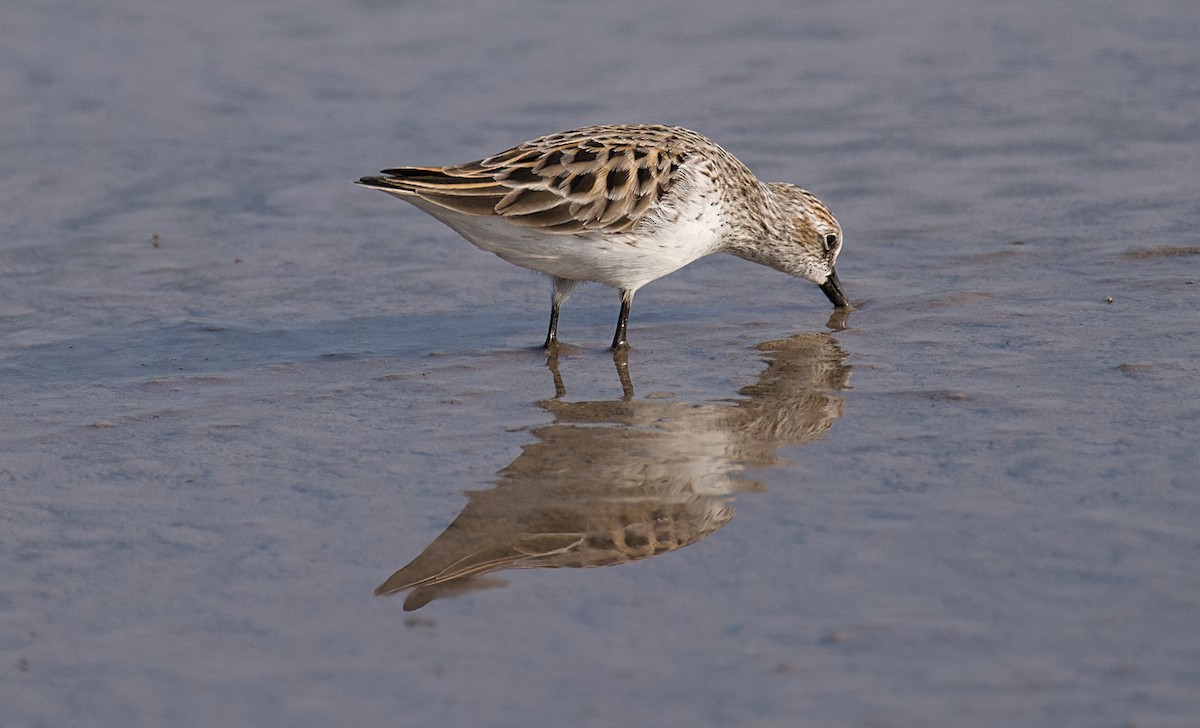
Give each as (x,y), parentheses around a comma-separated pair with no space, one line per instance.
(623,205)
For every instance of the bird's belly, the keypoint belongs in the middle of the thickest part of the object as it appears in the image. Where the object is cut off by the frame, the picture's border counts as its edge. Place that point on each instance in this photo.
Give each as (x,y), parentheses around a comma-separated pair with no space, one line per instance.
(613,262)
(626,260)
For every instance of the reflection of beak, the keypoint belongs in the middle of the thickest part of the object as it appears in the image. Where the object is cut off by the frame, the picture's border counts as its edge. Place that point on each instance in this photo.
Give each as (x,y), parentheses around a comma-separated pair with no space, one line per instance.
(833,289)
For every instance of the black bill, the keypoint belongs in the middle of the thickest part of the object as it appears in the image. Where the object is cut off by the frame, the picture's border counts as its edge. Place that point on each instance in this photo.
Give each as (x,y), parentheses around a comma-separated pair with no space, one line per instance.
(833,290)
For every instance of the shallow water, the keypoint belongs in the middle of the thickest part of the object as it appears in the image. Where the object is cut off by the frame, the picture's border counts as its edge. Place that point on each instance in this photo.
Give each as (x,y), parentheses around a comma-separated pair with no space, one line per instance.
(240,393)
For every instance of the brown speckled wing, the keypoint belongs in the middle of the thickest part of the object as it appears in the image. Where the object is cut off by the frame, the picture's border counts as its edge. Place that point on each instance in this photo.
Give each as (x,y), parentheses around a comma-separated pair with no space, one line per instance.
(565,183)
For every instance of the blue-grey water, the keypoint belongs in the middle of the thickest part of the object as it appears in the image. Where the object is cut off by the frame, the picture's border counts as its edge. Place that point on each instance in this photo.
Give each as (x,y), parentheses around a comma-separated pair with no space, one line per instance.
(238,393)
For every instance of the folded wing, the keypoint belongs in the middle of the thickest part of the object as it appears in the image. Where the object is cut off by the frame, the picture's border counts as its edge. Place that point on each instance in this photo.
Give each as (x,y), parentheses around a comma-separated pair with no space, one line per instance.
(563,183)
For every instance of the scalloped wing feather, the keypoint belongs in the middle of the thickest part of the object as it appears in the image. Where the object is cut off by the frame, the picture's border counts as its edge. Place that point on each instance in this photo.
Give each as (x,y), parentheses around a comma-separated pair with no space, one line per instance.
(562,183)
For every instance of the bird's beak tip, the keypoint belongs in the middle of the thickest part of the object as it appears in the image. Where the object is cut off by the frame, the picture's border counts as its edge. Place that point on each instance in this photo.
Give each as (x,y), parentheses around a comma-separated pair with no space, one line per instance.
(832,288)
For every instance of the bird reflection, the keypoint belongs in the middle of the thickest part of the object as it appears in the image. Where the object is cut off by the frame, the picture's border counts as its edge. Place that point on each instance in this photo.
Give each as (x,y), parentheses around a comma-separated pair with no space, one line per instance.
(614,481)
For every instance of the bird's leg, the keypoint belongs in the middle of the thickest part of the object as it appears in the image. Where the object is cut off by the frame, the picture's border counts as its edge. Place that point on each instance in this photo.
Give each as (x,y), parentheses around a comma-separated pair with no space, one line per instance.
(562,289)
(619,339)
(552,334)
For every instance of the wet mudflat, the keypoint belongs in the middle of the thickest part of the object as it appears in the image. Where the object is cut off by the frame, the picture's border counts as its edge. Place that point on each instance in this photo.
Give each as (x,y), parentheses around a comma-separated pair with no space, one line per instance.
(240,395)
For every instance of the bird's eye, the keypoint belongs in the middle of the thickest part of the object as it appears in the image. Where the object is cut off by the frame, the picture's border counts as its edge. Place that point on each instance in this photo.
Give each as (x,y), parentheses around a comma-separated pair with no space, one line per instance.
(830,241)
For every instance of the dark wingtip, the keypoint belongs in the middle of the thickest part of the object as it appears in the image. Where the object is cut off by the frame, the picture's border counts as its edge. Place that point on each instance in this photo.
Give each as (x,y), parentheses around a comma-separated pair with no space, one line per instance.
(401,177)
(379,183)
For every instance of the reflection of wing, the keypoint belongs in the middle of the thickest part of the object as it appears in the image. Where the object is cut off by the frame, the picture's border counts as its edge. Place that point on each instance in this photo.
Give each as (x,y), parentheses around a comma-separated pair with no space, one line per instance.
(610,482)
(513,527)
(587,179)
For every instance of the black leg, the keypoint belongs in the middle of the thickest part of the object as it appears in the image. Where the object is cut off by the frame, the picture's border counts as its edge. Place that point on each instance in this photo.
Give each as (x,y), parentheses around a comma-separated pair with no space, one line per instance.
(552,334)
(562,289)
(619,339)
